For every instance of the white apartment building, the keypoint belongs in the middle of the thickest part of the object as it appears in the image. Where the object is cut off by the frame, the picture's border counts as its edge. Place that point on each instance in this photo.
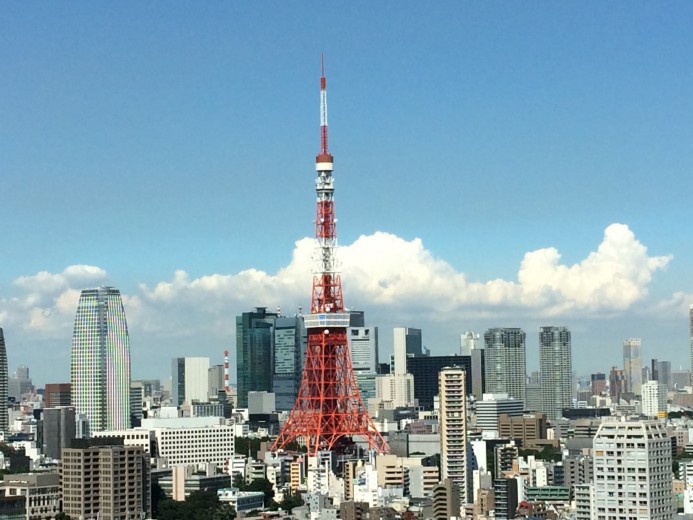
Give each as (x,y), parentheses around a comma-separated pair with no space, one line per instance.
(395,389)
(654,398)
(453,428)
(632,472)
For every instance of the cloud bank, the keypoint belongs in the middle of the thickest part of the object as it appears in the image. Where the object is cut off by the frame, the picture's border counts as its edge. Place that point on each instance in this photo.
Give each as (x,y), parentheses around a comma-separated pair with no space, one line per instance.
(382,271)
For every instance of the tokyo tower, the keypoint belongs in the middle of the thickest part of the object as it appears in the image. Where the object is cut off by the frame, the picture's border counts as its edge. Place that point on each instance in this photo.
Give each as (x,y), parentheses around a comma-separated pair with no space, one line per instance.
(328,412)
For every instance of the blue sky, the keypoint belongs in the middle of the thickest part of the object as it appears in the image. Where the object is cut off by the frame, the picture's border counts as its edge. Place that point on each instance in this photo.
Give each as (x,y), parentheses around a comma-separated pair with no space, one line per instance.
(145,139)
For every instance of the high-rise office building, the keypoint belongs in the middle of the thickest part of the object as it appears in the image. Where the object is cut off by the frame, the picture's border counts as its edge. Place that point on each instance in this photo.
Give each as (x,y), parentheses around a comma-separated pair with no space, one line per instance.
(632,471)
(469,341)
(4,379)
(425,370)
(102,478)
(58,430)
(618,384)
(407,342)
(661,372)
(254,345)
(19,383)
(57,394)
(100,364)
(598,383)
(453,429)
(555,361)
(632,364)
(470,345)
(492,406)
(505,362)
(216,381)
(189,380)
(289,350)
(363,347)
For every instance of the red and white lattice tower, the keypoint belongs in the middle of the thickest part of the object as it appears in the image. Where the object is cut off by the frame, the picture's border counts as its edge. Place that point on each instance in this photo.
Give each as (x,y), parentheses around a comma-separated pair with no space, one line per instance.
(328,412)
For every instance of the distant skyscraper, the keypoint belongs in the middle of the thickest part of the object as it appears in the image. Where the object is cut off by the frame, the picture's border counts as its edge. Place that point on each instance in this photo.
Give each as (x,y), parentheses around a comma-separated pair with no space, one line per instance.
(189,380)
(100,364)
(598,383)
(505,362)
(216,381)
(4,378)
(690,331)
(470,346)
(469,341)
(289,350)
(407,342)
(20,383)
(661,371)
(453,429)
(618,383)
(555,360)
(632,364)
(254,345)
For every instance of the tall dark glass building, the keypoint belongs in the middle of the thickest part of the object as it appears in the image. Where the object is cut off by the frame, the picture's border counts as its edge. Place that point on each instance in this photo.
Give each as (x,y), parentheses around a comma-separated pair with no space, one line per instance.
(254,359)
(426,369)
(290,340)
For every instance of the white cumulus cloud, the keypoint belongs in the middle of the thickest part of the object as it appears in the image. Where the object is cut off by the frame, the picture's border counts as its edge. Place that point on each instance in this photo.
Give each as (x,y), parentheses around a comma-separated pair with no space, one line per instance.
(383,273)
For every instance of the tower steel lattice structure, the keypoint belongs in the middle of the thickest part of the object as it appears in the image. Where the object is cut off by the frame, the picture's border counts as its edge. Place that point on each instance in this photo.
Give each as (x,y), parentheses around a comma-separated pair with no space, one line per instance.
(328,412)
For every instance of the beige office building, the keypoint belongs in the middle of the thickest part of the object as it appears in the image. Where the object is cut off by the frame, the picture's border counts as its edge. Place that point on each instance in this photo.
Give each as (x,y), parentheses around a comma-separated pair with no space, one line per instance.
(102,479)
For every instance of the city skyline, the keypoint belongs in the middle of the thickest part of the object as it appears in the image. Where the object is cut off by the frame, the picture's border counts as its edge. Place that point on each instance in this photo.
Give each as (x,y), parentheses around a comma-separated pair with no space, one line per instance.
(536,174)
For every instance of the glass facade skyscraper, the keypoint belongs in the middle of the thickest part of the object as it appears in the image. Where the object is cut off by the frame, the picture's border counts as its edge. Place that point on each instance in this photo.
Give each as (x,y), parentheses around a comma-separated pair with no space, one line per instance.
(254,359)
(506,365)
(555,360)
(290,338)
(632,364)
(100,366)
(4,381)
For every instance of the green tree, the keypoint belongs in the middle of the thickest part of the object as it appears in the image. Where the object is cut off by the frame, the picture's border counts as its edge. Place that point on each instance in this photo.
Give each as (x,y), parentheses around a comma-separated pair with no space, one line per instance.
(291,501)
(264,485)
(224,512)
(199,505)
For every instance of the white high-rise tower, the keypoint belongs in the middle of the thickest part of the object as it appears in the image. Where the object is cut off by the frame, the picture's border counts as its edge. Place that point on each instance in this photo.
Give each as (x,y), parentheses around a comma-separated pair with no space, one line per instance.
(453,428)
(100,366)
(4,381)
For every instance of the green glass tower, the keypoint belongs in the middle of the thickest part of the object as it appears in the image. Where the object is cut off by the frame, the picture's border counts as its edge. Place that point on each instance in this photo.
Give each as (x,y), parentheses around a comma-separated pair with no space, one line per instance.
(254,345)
